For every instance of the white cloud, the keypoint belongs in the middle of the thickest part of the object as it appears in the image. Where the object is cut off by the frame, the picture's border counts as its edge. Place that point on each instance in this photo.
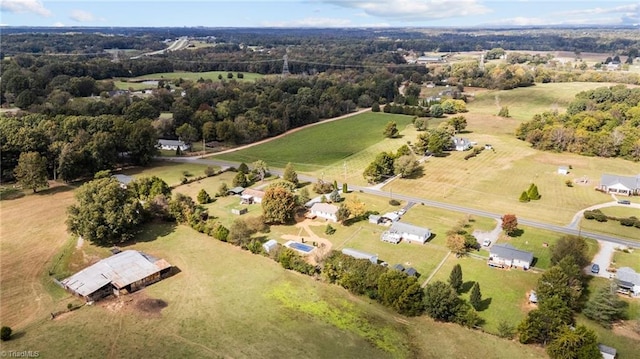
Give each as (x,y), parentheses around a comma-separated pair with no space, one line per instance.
(25,6)
(624,14)
(58,24)
(415,10)
(82,16)
(310,22)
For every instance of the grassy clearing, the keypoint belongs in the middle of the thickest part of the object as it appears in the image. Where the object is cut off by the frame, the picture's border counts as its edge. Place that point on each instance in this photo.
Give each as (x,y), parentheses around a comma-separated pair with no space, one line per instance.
(135,86)
(332,149)
(614,227)
(170,172)
(194,76)
(631,259)
(502,302)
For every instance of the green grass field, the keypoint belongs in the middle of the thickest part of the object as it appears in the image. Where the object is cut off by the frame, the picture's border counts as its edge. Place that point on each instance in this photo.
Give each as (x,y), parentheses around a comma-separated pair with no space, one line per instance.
(632,259)
(614,227)
(170,172)
(325,149)
(194,76)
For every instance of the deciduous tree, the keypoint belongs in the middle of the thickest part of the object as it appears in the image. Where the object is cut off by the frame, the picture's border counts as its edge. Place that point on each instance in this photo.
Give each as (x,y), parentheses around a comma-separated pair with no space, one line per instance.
(573,246)
(391,130)
(203,197)
(405,165)
(261,168)
(509,224)
(441,302)
(31,171)
(290,174)
(456,243)
(278,205)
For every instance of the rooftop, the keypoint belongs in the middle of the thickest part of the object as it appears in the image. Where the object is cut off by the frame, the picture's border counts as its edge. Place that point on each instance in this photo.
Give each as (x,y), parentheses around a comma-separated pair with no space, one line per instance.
(627,274)
(410,229)
(164,142)
(632,182)
(508,251)
(324,207)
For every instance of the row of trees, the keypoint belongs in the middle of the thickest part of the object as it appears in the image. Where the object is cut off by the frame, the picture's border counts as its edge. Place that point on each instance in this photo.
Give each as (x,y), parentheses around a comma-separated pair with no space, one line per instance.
(403,163)
(603,122)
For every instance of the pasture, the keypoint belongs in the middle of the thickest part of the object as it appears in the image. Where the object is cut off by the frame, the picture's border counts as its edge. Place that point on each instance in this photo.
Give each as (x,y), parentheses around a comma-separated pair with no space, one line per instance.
(170,172)
(329,150)
(202,311)
(195,76)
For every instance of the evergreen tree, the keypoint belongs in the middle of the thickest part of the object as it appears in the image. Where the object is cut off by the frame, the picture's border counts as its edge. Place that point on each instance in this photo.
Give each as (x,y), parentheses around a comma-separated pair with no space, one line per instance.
(345,188)
(476,297)
(532,193)
(391,130)
(5,333)
(524,197)
(203,197)
(240,180)
(578,343)
(335,196)
(605,307)
(455,278)
(243,168)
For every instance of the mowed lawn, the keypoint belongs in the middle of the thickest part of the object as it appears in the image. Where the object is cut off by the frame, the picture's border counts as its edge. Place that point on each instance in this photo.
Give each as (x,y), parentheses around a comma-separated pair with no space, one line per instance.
(329,150)
(170,172)
(614,227)
(631,259)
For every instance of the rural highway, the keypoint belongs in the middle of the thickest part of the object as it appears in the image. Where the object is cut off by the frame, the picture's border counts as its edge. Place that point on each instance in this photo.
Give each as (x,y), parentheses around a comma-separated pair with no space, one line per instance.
(179,44)
(426,202)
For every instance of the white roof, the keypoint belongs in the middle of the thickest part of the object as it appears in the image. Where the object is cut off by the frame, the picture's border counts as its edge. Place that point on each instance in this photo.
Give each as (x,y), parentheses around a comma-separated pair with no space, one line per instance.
(120,269)
(164,142)
(324,208)
(410,229)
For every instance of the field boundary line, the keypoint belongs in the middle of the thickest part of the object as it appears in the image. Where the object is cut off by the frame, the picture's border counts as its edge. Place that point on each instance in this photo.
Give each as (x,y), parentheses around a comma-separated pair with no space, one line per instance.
(436,270)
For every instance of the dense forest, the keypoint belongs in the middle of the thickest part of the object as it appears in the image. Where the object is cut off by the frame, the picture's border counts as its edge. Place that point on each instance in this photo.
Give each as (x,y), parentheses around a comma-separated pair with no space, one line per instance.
(604,122)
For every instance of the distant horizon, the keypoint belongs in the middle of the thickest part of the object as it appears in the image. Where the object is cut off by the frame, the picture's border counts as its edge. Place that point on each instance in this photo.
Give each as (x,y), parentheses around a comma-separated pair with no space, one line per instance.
(319,13)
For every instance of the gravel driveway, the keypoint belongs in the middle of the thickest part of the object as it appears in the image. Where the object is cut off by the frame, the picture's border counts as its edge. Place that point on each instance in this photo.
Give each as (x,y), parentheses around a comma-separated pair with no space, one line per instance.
(602,258)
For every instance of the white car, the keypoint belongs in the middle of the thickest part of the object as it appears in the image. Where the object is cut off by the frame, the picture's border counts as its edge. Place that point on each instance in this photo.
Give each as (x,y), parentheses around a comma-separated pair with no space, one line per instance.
(486,243)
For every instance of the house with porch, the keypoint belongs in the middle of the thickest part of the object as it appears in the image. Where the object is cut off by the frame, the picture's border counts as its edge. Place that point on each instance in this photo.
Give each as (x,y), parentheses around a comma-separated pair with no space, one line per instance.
(507,256)
(628,281)
(325,210)
(250,196)
(407,232)
(172,145)
(622,185)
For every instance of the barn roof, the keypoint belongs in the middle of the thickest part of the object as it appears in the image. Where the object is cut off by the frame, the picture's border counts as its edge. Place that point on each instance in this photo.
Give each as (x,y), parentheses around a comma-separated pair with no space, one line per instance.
(120,270)
(253,193)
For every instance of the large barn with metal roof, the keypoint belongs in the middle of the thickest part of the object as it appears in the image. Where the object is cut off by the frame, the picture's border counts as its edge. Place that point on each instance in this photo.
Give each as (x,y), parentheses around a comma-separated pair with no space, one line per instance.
(124,272)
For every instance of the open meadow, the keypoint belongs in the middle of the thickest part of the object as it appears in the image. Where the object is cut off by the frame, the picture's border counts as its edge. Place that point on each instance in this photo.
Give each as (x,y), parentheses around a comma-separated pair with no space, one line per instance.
(224,302)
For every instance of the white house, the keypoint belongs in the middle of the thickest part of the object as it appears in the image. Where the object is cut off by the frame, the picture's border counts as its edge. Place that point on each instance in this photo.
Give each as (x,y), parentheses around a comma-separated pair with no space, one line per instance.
(270,245)
(406,231)
(373,258)
(172,145)
(506,255)
(325,210)
(624,185)
(461,144)
(563,170)
(628,281)
(250,196)
(607,352)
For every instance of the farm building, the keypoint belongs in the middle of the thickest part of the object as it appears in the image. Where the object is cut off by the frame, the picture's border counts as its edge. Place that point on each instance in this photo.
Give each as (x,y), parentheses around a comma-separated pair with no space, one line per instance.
(563,170)
(373,258)
(406,231)
(390,217)
(411,272)
(628,281)
(375,219)
(235,191)
(172,145)
(124,272)
(460,144)
(250,196)
(506,255)
(607,352)
(325,210)
(398,267)
(624,185)
(270,245)
(124,180)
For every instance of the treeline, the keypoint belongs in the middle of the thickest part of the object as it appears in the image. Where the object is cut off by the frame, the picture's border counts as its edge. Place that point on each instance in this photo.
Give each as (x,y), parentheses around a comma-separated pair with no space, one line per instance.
(76,146)
(603,122)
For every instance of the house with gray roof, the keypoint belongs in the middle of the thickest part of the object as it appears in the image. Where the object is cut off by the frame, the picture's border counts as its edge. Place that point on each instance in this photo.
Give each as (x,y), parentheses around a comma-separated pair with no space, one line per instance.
(373,258)
(628,281)
(124,272)
(507,256)
(407,232)
(623,185)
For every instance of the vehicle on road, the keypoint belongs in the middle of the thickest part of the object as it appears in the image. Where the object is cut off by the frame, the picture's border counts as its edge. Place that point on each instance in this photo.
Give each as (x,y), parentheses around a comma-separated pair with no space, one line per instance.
(624,201)
(595,269)
(486,243)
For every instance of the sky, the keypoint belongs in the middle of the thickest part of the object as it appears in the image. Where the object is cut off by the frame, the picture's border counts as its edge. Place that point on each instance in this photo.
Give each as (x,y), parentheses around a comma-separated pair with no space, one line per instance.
(317,13)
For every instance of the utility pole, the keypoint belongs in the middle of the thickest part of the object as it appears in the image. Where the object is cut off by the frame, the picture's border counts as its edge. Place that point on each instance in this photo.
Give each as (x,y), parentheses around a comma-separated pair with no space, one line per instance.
(285,65)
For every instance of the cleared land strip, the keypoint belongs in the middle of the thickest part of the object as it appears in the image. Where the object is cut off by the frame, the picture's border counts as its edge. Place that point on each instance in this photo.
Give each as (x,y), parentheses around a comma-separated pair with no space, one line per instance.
(426,202)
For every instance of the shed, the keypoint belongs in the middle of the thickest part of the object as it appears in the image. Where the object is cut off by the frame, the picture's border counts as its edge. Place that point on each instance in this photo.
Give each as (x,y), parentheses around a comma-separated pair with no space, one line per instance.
(391,216)
(411,272)
(399,267)
(270,245)
(563,170)
(373,258)
(239,211)
(607,351)
(533,297)
(375,219)
(126,271)
(236,191)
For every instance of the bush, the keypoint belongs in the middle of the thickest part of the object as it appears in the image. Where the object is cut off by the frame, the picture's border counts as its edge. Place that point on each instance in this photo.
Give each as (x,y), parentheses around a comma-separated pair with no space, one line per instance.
(5,333)
(209,171)
(569,183)
(628,222)
(329,230)
(394,202)
(203,197)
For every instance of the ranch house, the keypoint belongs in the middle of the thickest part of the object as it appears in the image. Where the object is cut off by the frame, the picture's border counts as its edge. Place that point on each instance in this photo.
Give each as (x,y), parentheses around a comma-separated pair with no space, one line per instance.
(628,281)
(172,145)
(124,272)
(507,256)
(624,185)
(325,210)
(407,232)
(250,196)
(373,258)
(460,144)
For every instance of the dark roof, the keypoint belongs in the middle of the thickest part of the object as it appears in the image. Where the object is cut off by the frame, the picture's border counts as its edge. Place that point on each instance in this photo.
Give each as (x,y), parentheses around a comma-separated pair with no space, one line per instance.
(399,267)
(164,142)
(606,349)
(411,272)
(508,251)
(236,190)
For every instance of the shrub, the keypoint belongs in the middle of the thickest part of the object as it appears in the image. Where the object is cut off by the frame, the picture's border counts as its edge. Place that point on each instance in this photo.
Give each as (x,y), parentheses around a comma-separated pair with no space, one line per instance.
(628,222)
(209,171)
(524,197)
(569,183)
(184,180)
(394,202)
(5,333)
(329,230)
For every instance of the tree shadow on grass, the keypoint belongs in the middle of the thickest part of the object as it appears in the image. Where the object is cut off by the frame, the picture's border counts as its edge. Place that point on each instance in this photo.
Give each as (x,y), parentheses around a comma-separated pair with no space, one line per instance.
(484,304)
(417,173)
(55,190)
(151,231)
(517,233)
(466,286)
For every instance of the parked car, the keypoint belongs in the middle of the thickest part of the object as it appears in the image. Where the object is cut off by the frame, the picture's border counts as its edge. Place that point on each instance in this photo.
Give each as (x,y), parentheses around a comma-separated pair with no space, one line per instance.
(624,201)
(486,243)
(595,268)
